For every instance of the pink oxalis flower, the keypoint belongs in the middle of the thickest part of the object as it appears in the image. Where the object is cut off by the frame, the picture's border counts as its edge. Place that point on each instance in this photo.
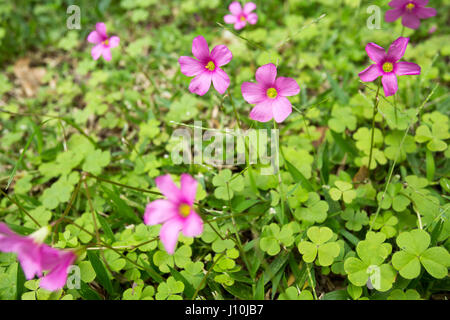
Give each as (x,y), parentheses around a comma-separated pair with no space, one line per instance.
(35,256)
(269,94)
(103,44)
(207,67)
(387,65)
(240,16)
(176,213)
(411,11)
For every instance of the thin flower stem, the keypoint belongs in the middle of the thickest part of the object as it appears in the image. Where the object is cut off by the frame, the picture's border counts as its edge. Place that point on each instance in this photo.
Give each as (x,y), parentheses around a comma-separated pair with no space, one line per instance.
(280,180)
(375,106)
(206,276)
(236,114)
(311,281)
(21,208)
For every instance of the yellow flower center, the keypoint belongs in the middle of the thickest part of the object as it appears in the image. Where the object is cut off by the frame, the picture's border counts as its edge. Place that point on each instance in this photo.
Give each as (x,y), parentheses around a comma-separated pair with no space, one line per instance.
(185,210)
(388,67)
(242,18)
(106,42)
(410,6)
(272,93)
(210,66)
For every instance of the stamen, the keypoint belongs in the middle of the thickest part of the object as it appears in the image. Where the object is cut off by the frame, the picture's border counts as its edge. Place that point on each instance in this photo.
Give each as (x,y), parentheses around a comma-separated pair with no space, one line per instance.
(272,93)
(388,67)
(410,6)
(210,66)
(242,18)
(184,210)
(106,42)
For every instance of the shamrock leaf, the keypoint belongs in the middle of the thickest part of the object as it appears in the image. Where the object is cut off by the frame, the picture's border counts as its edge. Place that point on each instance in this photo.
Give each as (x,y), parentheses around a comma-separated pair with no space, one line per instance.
(293,293)
(368,267)
(60,191)
(396,149)
(415,252)
(272,236)
(343,189)
(355,219)
(315,211)
(209,235)
(320,246)
(168,290)
(439,132)
(409,294)
(95,161)
(226,185)
(385,222)
(342,118)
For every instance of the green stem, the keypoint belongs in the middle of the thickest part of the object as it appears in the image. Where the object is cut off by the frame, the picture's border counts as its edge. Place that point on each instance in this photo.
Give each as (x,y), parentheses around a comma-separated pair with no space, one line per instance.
(375,106)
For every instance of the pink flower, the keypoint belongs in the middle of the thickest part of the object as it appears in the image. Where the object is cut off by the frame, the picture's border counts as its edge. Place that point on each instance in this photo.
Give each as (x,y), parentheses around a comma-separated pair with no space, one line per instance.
(206,68)
(387,65)
(269,94)
(176,213)
(103,43)
(411,10)
(239,16)
(35,257)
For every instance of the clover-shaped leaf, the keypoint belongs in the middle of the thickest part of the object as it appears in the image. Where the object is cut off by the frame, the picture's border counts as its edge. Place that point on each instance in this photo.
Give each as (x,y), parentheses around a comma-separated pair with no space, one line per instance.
(415,251)
(355,219)
(168,290)
(95,161)
(343,189)
(320,246)
(342,118)
(226,184)
(272,236)
(396,149)
(385,222)
(293,293)
(315,211)
(409,294)
(369,267)
(438,133)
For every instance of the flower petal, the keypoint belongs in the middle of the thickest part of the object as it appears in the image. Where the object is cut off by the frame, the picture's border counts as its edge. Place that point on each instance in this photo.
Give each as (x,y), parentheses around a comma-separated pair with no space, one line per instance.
(266,74)
(188,188)
(403,68)
(97,51)
(114,41)
(106,53)
(235,8)
(229,18)
(281,109)
(220,80)
(159,211)
(287,87)
(221,55)
(101,29)
(425,13)
(392,15)
(397,3)
(262,112)
(252,18)
(390,85)
(201,83)
(421,2)
(190,67)
(410,20)
(57,277)
(239,25)
(169,234)
(200,48)
(370,73)
(193,225)
(253,92)
(168,188)
(249,7)
(94,37)
(397,49)
(376,53)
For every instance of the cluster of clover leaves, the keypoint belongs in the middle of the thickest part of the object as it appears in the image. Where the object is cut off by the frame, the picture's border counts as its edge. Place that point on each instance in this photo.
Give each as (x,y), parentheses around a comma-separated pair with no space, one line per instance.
(317,229)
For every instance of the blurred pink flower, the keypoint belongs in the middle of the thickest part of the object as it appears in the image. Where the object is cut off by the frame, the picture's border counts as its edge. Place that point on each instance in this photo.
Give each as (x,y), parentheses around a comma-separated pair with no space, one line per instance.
(103,44)
(387,65)
(269,94)
(35,257)
(206,68)
(411,12)
(176,213)
(239,16)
